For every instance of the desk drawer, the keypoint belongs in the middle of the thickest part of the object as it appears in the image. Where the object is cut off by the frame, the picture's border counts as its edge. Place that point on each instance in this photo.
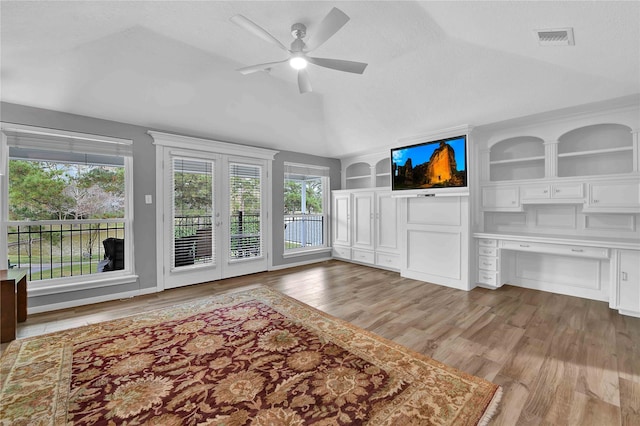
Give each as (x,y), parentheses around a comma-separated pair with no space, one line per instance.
(362,256)
(342,252)
(488,263)
(489,278)
(561,249)
(487,251)
(484,242)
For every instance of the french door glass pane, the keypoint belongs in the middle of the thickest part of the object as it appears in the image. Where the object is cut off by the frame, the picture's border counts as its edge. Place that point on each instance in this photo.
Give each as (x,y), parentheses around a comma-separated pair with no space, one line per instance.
(192,212)
(245,238)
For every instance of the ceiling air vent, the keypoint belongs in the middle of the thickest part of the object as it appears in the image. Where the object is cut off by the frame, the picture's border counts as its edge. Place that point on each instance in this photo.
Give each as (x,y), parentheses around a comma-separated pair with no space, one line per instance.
(555,37)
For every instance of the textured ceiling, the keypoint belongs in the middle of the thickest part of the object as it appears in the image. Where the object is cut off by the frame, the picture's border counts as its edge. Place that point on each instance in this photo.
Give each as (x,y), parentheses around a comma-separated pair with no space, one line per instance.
(170,65)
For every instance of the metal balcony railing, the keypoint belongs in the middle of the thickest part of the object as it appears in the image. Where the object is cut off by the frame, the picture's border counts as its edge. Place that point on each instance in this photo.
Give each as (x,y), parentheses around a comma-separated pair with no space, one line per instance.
(60,248)
(303,230)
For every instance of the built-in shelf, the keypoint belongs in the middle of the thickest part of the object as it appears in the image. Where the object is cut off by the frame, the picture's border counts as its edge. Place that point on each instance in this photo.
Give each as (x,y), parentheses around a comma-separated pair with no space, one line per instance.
(597,149)
(518,160)
(383,173)
(595,152)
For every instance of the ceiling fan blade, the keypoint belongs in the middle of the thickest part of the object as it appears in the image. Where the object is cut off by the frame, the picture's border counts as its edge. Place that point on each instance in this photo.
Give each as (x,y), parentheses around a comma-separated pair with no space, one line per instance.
(330,25)
(304,84)
(259,67)
(256,30)
(339,64)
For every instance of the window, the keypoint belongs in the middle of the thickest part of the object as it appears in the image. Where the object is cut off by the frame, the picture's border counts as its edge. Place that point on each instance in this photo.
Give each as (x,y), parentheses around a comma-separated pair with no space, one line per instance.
(68,218)
(245,207)
(193,184)
(305,207)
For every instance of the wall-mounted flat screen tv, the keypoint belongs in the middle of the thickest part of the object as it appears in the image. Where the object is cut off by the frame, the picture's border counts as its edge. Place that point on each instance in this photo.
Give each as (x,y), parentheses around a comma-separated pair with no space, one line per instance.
(431,168)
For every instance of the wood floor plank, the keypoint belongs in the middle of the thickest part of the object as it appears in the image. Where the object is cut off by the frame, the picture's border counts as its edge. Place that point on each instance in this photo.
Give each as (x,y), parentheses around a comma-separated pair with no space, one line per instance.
(630,402)
(561,360)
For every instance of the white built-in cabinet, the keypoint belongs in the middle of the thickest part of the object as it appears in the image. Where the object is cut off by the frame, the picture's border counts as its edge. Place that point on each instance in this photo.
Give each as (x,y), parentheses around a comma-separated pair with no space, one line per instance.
(365,227)
(626,276)
(594,165)
(559,205)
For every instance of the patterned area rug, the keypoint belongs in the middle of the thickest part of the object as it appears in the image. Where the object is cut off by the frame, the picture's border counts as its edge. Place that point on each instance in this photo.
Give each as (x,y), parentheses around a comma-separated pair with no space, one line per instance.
(253,357)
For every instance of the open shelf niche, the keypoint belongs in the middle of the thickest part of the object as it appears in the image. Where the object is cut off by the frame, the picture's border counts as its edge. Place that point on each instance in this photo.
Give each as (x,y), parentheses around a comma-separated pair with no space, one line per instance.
(599,149)
(517,158)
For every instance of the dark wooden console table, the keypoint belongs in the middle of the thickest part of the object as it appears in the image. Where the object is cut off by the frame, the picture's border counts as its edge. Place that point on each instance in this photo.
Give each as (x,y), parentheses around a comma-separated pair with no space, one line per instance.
(13,302)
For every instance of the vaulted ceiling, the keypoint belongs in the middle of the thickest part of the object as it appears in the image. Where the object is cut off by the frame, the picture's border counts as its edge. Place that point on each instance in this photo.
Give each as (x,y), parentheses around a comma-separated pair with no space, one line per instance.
(170,65)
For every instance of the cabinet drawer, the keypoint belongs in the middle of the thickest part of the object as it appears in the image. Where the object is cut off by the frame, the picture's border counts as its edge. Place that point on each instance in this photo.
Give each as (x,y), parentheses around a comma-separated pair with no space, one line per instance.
(342,252)
(487,251)
(568,190)
(362,256)
(534,192)
(483,242)
(561,249)
(489,278)
(488,263)
(388,260)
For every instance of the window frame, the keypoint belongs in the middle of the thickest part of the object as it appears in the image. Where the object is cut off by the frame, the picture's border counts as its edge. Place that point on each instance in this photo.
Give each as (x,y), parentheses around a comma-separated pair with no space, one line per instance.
(52,139)
(324,174)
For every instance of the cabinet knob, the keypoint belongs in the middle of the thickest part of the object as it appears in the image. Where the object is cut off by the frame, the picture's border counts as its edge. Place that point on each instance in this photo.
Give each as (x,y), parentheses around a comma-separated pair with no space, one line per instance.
(524,245)
(596,201)
(624,276)
(545,191)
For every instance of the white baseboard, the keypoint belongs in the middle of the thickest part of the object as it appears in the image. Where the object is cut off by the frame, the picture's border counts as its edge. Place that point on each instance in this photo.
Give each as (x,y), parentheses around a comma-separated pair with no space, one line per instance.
(302,263)
(90,300)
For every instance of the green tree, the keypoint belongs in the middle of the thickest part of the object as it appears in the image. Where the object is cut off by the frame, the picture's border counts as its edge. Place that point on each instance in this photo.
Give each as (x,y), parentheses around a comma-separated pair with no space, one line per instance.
(192,194)
(36,191)
(293,196)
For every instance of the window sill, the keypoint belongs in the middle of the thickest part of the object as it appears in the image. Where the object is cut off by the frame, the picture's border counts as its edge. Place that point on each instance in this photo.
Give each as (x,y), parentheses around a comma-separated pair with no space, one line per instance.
(35,290)
(305,252)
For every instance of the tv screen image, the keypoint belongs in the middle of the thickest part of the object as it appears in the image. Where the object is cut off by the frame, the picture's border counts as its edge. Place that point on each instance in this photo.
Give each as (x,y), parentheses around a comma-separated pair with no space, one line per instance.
(430,165)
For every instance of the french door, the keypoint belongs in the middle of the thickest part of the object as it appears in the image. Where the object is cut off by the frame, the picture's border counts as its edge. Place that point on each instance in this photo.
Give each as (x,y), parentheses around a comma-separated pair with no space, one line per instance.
(214,215)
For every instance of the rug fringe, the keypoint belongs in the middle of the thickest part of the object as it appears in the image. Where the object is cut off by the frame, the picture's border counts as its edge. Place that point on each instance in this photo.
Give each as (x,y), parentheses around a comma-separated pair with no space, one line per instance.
(492,408)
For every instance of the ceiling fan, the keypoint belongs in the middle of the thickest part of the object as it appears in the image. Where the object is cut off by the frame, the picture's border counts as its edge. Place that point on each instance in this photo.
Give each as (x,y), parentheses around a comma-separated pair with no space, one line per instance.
(298,58)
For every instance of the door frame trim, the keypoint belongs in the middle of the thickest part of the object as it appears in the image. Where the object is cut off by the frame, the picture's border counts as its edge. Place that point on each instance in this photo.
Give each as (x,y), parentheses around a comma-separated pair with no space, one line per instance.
(168,141)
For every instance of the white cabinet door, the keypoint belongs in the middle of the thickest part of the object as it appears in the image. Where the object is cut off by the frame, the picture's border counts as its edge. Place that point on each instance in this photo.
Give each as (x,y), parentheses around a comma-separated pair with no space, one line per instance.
(386,222)
(501,198)
(341,218)
(363,220)
(628,281)
(615,196)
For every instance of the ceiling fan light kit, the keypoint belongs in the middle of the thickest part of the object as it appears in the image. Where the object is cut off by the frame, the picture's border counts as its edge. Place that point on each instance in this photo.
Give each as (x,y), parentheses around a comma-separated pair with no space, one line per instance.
(298,62)
(298,58)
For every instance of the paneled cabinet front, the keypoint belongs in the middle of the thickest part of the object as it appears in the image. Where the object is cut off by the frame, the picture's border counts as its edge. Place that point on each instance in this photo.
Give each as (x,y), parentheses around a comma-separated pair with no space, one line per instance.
(363,223)
(614,196)
(501,198)
(627,282)
(341,218)
(365,227)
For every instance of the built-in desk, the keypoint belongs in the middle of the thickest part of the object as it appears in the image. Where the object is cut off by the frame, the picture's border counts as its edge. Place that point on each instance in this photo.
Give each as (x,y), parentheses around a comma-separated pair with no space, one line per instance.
(13,302)
(596,269)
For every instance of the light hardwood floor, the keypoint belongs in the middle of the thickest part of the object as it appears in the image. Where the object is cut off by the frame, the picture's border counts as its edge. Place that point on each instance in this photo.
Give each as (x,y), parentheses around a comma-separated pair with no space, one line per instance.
(561,360)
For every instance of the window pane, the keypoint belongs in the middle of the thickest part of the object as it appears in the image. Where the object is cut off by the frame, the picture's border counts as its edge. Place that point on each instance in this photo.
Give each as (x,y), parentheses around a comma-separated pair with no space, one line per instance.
(71,213)
(245,209)
(192,212)
(304,210)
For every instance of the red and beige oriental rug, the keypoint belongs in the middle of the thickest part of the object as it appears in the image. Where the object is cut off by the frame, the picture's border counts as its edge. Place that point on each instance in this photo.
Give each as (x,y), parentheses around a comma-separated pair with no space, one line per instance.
(255,357)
